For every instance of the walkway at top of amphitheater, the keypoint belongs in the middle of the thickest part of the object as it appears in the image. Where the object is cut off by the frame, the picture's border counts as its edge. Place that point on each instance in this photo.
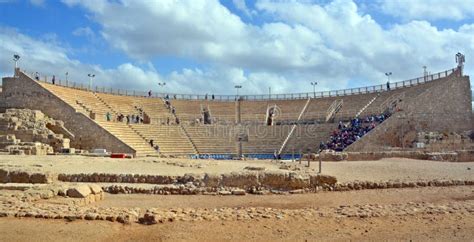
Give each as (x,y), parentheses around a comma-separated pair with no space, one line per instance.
(262,97)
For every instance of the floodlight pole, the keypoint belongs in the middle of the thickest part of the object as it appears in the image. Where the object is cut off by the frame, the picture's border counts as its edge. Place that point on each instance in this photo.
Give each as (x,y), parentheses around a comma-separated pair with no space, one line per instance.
(425,73)
(16,58)
(237,87)
(314,88)
(388,74)
(90,80)
(162,86)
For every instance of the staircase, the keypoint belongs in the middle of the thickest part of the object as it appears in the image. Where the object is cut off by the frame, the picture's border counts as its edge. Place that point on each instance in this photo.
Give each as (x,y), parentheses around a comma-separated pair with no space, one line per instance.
(367,105)
(87,102)
(294,126)
(129,136)
(195,151)
(170,138)
(112,111)
(125,133)
(391,102)
(333,109)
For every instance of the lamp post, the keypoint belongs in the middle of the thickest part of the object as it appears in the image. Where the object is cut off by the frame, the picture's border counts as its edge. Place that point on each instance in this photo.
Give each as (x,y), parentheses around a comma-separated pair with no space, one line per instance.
(425,73)
(162,86)
(314,88)
(16,58)
(90,80)
(237,87)
(388,74)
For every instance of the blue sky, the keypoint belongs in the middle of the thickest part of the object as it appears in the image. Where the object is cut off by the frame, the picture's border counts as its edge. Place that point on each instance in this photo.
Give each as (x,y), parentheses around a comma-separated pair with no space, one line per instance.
(210,46)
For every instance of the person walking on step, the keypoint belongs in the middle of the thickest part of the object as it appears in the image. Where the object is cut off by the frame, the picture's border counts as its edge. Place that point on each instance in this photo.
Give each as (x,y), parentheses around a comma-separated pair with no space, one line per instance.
(54,80)
(151,143)
(108,116)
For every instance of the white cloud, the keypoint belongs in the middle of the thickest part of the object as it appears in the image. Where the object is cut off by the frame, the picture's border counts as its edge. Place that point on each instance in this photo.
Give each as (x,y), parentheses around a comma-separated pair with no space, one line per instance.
(429,9)
(242,6)
(84,31)
(38,3)
(48,58)
(333,44)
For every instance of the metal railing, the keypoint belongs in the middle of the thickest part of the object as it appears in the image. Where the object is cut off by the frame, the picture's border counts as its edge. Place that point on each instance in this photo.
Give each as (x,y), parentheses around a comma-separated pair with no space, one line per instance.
(288,96)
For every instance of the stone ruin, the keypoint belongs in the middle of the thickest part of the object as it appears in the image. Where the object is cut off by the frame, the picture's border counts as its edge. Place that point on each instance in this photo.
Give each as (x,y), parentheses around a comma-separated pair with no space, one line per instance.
(445,141)
(30,132)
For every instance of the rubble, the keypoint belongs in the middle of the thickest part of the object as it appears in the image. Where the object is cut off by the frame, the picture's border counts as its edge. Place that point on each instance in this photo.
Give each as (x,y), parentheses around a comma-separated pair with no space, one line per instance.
(30,132)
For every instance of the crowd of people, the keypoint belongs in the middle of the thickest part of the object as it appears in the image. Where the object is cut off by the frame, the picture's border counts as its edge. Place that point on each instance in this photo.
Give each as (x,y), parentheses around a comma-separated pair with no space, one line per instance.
(129,118)
(348,133)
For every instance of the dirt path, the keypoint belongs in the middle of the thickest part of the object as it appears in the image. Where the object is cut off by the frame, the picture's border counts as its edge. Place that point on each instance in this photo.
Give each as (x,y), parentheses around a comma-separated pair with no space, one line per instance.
(434,228)
(382,170)
(295,201)
(456,226)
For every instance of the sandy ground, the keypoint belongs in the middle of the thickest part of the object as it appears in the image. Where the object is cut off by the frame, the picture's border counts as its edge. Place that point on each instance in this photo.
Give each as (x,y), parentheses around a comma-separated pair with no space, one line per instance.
(381,170)
(294,201)
(418,227)
(149,165)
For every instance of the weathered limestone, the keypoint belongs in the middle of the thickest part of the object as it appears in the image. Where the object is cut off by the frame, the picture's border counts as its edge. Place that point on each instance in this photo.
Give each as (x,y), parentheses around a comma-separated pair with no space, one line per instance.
(88,193)
(239,179)
(24,92)
(25,177)
(32,127)
(80,191)
(445,106)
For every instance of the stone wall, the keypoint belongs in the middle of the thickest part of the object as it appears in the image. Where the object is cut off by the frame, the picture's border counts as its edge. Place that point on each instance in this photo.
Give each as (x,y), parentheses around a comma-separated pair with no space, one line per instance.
(24,92)
(242,180)
(444,107)
(7,176)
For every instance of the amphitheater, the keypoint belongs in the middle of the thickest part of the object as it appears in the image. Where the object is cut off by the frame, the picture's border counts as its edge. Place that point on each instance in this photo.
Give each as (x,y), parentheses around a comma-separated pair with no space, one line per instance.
(75,152)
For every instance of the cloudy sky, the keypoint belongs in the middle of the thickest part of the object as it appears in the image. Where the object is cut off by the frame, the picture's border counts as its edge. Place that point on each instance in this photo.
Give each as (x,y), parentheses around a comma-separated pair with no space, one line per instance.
(209,46)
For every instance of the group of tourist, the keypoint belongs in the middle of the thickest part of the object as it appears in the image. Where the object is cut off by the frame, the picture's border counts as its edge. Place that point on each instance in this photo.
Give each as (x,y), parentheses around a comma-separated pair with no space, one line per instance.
(172,110)
(129,118)
(348,133)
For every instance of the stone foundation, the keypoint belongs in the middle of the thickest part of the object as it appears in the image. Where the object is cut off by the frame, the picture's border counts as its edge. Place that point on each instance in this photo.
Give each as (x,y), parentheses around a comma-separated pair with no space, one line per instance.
(25,177)
(242,180)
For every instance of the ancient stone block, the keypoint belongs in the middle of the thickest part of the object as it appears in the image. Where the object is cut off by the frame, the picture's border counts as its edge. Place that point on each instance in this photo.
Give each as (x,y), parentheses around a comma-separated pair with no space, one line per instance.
(239,192)
(4,178)
(41,178)
(95,189)
(212,180)
(79,191)
(319,180)
(273,179)
(240,179)
(19,177)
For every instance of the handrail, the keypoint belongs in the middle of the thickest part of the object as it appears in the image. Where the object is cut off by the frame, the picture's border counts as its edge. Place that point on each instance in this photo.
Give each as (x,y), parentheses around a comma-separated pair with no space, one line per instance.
(335,106)
(231,98)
